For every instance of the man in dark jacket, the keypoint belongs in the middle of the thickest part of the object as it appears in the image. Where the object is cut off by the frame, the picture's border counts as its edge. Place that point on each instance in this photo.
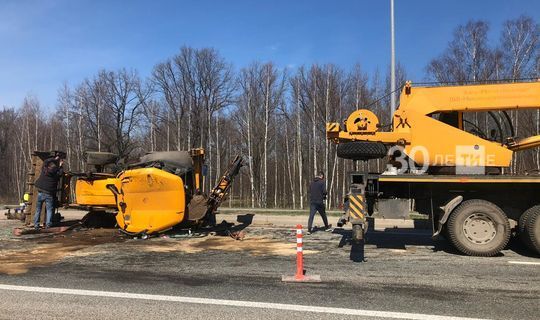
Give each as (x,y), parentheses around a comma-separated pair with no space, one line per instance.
(317,196)
(47,185)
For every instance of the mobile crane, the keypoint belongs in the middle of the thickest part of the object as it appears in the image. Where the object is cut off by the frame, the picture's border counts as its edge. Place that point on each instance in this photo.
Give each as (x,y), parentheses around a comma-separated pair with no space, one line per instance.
(452,169)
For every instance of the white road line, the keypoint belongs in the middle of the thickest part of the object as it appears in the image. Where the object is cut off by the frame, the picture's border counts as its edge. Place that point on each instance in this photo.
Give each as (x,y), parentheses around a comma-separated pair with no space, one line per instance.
(234,303)
(525,262)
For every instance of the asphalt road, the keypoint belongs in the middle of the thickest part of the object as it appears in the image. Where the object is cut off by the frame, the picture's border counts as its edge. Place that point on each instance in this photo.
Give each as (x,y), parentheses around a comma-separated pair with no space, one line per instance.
(406,275)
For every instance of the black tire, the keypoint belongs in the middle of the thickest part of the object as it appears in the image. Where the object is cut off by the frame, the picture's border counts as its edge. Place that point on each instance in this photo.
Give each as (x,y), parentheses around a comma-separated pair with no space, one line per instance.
(100,158)
(478,228)
(176,158)
(532,229)
(522,226)
(361,150)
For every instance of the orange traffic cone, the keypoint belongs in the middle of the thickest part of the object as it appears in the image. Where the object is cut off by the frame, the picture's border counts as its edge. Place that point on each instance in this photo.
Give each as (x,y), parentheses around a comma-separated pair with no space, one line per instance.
(300,275)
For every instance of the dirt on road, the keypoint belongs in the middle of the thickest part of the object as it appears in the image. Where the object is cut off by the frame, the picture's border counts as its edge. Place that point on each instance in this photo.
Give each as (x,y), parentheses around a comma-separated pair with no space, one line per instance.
(20,253)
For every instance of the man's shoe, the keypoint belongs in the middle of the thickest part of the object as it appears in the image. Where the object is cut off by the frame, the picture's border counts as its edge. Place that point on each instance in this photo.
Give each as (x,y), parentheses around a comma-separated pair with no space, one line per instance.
(36,228)
(329,228)
(309,233)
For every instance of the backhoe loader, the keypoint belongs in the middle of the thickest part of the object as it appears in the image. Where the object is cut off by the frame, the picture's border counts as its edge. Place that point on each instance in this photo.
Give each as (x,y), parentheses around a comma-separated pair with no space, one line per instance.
(452,169)
(162,190)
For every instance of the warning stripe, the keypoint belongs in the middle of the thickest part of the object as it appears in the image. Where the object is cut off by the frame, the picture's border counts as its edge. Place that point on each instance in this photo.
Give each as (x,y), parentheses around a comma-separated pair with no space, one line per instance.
(357,202)
(355,212)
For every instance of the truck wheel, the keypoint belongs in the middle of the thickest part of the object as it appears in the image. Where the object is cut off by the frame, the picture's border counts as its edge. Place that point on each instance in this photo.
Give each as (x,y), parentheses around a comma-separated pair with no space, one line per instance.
(361,150)
(532,230)
(522,226)
(478,228)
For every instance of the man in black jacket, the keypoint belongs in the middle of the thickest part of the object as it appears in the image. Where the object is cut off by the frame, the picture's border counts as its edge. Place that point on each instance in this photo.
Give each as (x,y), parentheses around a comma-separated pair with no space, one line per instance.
(317,196)
(47,185)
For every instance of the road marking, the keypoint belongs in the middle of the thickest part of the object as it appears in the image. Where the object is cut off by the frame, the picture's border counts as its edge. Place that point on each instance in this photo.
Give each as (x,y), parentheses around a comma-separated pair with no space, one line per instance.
(234,303)
(525,262)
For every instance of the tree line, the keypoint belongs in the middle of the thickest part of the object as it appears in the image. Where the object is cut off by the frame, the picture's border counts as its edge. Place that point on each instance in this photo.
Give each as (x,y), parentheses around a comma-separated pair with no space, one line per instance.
(274,116)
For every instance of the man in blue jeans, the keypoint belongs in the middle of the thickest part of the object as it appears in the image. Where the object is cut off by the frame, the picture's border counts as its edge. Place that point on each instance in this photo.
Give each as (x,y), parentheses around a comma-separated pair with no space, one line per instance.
(47,185)
(317,196)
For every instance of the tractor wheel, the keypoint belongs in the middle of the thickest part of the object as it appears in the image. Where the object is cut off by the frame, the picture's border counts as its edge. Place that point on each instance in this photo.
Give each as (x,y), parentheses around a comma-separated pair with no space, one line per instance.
(180,159)
(522,226)
(532,229)
(361,150)
(478,228)
(100,158)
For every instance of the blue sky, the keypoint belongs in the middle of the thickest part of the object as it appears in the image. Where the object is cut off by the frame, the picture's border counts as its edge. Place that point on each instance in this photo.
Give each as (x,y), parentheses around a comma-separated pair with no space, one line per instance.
(46,43)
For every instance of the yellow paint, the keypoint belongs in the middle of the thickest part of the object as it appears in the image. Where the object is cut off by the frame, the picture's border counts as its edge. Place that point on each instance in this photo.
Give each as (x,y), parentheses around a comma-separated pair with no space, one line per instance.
(526,143)
(415,129)
(150,200)
(458,179)
(363,121)
(95,193)
(357,203)
(198,160)
(355,212)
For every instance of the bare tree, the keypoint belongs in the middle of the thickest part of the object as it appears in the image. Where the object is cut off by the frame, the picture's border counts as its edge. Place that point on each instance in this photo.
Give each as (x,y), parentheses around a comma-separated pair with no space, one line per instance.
(519,44)
(467,58)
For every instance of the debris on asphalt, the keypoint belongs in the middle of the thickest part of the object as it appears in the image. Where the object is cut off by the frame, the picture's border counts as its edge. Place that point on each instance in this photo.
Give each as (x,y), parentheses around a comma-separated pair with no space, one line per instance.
(237,235)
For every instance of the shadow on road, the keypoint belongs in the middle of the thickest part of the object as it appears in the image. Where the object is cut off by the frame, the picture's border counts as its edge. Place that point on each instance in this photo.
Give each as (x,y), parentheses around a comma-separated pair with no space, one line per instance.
(225,229)
(400,238)
(393,238)
(517,246)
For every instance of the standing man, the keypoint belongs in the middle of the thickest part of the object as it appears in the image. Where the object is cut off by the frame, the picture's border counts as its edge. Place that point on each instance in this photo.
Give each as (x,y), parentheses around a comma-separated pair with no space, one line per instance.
(317,196)
(47,185)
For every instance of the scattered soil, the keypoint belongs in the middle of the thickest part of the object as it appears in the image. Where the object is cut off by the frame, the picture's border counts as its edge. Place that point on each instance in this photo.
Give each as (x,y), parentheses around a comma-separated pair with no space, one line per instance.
(18,255)
(257,246)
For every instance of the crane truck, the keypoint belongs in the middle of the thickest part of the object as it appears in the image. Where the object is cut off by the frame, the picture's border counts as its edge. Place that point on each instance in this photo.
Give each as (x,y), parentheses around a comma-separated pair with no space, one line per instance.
(452,169)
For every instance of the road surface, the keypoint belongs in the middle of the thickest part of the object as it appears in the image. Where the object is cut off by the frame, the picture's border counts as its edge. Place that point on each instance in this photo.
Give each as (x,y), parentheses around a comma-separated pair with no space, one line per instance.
(89,274)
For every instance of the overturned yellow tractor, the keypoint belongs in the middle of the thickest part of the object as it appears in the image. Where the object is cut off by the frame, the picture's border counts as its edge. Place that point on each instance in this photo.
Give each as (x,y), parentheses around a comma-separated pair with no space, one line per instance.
(164,189)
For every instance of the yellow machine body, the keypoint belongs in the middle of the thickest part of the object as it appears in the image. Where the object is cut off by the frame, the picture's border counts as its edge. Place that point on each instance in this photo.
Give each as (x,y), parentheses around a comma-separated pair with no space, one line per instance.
(431,142)
(157,193)
(95,193)
(150,200)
